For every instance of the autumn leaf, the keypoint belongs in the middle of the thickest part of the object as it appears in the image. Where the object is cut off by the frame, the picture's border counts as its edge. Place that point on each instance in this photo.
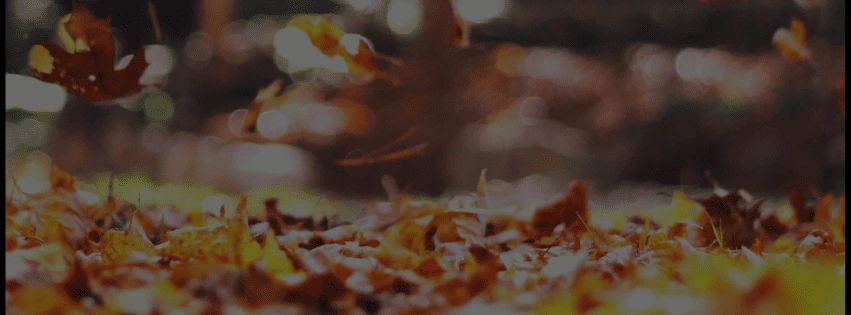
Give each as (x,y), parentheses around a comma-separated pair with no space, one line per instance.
(264,95)
(60,179)
(43,300)
(433,257)
(792,42)
(361,62)
(115,244)
(323,33)
(85,65)
(276,260)
(570,210)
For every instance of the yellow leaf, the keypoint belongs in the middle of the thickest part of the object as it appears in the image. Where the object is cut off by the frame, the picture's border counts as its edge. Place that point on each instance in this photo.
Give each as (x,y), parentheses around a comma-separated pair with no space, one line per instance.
(207,243)
(116,244)
(276,260)
(40,59)
(683,208)
(42,300)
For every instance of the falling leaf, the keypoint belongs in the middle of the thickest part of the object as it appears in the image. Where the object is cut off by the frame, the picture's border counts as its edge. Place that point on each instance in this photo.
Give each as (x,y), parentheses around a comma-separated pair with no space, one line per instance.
(792,42)
(85,65)
(323,33)
(264,95)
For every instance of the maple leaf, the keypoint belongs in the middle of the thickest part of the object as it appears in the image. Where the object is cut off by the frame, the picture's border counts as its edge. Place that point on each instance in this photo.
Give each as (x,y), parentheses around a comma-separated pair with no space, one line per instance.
(85,65)
(734,212)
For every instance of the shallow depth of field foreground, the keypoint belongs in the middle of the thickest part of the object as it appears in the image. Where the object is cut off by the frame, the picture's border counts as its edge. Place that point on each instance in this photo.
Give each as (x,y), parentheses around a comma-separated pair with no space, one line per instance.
(425,157)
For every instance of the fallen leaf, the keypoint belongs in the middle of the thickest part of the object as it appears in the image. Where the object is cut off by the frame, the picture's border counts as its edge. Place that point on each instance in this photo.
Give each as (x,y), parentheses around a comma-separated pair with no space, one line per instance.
(570,210)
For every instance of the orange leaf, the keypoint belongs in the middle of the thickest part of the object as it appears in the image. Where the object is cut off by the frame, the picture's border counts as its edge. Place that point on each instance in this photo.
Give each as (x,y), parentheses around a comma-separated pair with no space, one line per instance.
(323,34)
(792,42)
(60,179)
(263,95)
(42,300)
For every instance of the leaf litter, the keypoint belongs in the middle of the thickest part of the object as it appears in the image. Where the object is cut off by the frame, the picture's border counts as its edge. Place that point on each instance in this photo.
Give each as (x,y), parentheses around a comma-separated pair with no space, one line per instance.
(711,255)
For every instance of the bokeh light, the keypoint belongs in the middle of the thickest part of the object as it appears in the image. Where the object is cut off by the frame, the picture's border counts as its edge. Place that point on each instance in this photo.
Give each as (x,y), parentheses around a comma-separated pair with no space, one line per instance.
(236,120)
(11,138)
(531,110)
(262,164)
(236,46)
(198,49)
(33,176)
(272,124)
(154,137)
(294,46)
(33,95)
(510,59)
(364,6)
(158,107)
(404,16)
(30,10)
(323,120)
(260,30)
(160,60)
(476,11)
(31,132)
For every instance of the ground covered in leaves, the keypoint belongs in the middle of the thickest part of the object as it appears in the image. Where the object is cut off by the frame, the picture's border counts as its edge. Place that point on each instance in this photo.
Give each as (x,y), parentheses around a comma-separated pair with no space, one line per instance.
(71,251)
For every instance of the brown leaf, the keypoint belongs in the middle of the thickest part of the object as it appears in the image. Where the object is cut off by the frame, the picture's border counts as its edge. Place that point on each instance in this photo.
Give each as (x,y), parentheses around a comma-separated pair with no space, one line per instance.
(85,66)
(77,285)
(571,210)
(453,227)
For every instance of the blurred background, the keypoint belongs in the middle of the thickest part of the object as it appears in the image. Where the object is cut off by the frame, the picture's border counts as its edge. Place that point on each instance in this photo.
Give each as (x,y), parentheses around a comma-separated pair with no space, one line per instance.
(616,93)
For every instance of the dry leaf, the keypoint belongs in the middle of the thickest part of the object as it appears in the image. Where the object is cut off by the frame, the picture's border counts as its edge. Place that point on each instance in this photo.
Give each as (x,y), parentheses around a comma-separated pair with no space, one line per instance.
(85,65)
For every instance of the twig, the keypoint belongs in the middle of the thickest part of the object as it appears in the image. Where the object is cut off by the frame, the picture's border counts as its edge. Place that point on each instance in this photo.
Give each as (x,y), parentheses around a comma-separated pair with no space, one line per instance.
(398,155)
(152,11)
